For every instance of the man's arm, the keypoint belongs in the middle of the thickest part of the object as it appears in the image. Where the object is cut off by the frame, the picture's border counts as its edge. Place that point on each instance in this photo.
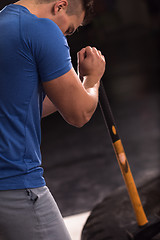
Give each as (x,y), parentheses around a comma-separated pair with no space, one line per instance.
(48,107)
(75,100)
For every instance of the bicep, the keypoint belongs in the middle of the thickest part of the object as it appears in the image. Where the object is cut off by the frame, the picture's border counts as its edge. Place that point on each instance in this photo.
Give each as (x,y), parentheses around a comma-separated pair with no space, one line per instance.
(62,90)
(68,95)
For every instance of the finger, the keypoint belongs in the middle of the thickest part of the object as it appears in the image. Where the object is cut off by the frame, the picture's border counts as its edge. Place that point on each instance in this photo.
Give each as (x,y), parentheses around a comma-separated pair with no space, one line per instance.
(99,52)
(103,58)
(89,51)
(95,50)
(81,55)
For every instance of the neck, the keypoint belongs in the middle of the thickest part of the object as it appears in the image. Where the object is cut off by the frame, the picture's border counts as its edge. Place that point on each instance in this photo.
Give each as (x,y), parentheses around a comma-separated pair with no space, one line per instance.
(40,10)
(28,4)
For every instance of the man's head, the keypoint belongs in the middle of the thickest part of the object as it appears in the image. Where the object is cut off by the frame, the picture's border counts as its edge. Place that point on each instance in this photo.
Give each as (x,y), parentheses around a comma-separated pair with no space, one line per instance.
(68,14)
(75,7)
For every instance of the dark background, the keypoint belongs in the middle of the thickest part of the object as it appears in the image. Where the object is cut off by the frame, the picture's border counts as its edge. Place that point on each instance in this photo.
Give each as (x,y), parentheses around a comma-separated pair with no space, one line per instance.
(80,165)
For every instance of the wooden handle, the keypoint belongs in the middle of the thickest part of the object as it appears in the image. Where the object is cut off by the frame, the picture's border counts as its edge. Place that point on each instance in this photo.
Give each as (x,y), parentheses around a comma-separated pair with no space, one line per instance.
(121,158)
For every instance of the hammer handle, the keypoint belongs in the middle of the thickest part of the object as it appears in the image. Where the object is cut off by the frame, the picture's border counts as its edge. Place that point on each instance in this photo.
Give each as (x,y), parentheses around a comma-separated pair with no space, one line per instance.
(121,158)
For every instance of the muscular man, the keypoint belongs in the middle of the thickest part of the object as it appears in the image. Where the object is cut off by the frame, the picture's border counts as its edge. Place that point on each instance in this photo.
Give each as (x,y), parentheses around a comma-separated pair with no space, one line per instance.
(36,79)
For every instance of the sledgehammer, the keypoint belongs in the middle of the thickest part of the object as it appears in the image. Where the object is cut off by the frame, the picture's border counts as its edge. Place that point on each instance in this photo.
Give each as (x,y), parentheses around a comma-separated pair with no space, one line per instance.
(146,229)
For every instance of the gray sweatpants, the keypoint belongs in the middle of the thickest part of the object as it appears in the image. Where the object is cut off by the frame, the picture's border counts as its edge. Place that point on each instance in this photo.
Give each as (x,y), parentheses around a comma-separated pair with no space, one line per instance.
(30,214)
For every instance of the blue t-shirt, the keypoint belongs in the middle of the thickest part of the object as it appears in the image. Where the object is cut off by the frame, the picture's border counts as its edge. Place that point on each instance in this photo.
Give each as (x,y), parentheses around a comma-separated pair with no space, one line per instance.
(32,50)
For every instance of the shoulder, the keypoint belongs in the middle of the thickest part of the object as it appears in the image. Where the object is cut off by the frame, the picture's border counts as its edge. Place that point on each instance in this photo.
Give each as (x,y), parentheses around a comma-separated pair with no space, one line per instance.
(42,33)
(47,26)
(40,26)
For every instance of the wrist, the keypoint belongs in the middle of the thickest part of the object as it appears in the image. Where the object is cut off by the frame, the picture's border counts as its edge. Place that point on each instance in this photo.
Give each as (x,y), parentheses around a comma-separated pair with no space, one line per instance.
(91,82)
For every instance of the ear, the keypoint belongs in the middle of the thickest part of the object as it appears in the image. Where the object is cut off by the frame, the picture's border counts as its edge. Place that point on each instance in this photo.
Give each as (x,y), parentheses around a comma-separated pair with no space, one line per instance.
(59,6)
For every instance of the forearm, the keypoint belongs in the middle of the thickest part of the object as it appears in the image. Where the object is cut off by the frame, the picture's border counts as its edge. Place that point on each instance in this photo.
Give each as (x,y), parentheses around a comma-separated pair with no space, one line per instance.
(91,67)
(93,92)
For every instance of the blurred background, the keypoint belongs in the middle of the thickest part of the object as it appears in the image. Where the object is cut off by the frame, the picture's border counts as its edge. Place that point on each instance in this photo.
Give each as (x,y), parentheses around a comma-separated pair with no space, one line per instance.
(80,165)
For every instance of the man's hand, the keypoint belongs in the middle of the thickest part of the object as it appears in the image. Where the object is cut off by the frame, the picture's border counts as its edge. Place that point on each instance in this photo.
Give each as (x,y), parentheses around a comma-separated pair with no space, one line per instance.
(91,64)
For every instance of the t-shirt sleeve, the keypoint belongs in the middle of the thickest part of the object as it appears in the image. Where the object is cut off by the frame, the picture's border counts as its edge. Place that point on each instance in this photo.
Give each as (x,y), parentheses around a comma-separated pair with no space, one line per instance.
(51,51)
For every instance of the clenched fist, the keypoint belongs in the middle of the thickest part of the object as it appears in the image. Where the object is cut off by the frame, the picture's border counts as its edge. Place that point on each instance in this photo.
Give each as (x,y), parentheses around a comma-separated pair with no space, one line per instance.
(91,63)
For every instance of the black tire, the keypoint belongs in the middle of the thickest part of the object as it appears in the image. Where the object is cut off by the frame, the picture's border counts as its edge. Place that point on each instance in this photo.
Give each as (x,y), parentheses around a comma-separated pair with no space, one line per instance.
(114,217)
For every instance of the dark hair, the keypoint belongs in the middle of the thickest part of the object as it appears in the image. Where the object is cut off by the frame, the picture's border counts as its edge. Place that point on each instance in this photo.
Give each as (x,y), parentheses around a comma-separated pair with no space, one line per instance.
(88,7)
(74,7)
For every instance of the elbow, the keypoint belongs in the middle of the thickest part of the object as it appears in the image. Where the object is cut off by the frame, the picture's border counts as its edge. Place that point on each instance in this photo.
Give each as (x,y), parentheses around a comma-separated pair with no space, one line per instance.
(80,115)
(80,120)
(79,124)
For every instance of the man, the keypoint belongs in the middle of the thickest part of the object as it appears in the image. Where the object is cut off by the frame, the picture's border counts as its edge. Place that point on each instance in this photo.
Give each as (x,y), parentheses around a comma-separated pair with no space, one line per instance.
(35,65)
